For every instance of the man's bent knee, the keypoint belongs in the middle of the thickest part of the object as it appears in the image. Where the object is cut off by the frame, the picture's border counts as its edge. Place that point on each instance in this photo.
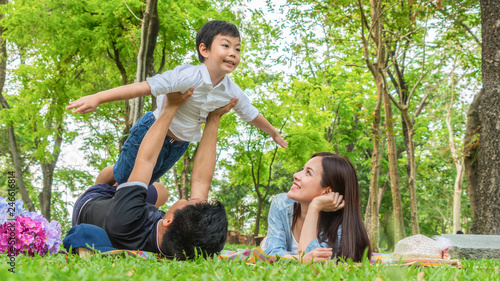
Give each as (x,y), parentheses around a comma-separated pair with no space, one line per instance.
(162,194)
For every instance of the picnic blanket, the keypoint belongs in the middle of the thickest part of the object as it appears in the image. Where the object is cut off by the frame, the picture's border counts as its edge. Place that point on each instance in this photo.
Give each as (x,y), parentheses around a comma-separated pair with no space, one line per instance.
(257,254)
(86,239)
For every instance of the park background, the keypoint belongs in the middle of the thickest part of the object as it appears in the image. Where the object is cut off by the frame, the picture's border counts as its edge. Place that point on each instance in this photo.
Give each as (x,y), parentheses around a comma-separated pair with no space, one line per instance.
(388,84)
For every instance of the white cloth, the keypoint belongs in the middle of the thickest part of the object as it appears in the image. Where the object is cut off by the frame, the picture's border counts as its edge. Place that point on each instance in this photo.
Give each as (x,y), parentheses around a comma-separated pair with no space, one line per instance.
(295,246)
(186,124)
(130,183)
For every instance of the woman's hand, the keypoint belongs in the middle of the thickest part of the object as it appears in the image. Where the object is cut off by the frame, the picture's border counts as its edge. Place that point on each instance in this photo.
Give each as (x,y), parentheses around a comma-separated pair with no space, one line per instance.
(318,254)
(329,202)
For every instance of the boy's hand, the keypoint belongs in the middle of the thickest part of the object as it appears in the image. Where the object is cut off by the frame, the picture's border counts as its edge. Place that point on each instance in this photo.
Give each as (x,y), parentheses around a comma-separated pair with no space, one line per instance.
(176,99)
(84,104)
(280,141)
(225,109)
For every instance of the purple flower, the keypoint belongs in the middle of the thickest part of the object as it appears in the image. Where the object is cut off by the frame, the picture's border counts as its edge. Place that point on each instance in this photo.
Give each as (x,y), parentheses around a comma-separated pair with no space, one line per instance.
(3,210)
(18,207)
(53,236)
(34,216)
(32,232)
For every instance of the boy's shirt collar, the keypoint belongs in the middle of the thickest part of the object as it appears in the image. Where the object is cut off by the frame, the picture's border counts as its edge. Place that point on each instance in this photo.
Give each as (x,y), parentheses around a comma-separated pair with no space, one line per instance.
(205,77)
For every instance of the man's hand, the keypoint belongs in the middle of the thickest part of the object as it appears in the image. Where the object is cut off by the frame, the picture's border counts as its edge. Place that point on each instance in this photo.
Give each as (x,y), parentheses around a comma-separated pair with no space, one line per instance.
(176,99)
(204,160)
(84,104)
(225,109)
(153,140)
(330,202)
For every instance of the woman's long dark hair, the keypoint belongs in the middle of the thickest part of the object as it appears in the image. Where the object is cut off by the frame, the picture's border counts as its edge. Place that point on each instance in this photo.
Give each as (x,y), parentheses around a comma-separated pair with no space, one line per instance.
(339,174)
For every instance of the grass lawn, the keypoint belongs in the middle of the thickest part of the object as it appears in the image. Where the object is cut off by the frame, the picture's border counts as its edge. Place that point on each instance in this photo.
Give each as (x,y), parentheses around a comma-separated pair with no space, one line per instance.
(60,267)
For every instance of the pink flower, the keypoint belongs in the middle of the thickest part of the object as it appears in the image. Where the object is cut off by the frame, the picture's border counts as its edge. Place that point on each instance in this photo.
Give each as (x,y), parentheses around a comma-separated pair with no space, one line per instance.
(31,231)
(4,238)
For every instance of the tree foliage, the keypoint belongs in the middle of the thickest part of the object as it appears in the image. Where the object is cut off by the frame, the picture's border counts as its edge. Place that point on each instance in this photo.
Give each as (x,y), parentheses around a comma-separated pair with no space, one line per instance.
(306,72)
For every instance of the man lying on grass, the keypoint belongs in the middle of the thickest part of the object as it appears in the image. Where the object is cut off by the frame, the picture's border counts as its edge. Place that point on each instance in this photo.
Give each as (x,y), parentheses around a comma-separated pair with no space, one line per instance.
(131,222)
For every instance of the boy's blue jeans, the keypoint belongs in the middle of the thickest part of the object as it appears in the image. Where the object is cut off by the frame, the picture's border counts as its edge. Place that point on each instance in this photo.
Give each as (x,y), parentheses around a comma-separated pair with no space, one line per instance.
(170,152)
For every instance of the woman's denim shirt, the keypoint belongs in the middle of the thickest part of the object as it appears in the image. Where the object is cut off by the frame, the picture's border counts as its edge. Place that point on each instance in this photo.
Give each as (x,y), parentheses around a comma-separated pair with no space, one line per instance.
(279,232)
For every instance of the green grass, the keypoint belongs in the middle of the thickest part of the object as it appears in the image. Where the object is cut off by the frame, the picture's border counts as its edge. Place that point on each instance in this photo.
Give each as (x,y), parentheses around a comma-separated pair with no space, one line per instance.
(72,267)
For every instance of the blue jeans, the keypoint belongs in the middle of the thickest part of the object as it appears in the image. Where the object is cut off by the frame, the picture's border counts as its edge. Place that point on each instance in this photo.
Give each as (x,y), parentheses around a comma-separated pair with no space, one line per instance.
(170,152)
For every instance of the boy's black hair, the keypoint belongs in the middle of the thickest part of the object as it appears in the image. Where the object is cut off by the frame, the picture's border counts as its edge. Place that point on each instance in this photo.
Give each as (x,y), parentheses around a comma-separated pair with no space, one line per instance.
(209,30)
(199,229)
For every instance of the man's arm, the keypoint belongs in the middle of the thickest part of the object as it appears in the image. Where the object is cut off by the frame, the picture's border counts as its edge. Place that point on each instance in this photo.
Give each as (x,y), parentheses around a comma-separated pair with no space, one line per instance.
(204,160)
(91,102)
(153,140)
(262,123)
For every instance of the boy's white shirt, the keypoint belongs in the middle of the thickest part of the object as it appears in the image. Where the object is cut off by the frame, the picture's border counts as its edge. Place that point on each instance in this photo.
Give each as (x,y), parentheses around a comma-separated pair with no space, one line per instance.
(186,124)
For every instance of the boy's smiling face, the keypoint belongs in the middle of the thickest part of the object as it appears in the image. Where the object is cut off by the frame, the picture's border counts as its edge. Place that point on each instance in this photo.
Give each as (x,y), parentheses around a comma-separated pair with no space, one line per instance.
(223,56)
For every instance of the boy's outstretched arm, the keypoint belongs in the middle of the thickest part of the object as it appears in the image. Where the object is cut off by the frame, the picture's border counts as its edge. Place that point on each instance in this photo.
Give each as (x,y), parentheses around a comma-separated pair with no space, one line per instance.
(153,140)
(89,103)
(262,123)
(204,160)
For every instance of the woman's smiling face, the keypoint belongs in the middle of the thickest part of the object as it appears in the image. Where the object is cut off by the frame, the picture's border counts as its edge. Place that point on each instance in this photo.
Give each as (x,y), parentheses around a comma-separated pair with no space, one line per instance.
(307,182)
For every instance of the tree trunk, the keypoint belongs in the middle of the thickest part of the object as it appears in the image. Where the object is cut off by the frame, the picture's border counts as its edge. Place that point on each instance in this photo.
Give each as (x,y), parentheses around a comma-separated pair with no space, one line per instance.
(380,195)
(186,170)
(459,164)
(373,225)
(415,228)
(457,196)
(12,137)
(257,219)
(484,167)
(388,231)
(399,230)
(471,140)
(149,32)
(126,129)
(182,181)
(407,127)
(17,163)
(46,195)
(350,146)
(378,70)
(123,73)
(48,173)
(257,184)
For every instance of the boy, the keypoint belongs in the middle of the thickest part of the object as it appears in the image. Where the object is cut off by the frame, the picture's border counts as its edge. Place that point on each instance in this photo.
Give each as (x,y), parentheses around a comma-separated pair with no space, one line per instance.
(189,226)
(218,46)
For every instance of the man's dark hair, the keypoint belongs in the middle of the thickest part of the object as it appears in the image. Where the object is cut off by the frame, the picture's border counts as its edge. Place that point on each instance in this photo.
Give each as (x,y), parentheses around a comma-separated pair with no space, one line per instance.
(209,30)
(199,229)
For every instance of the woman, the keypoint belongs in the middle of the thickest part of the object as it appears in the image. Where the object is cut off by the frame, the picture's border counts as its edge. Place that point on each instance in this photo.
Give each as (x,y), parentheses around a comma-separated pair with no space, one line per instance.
(320,217)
